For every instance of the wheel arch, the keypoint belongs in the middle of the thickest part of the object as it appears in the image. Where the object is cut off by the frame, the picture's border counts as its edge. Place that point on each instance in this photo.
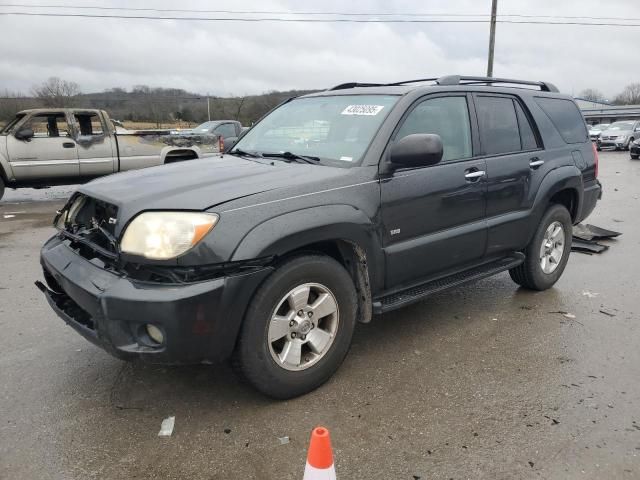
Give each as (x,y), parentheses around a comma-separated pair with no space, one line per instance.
(338,231)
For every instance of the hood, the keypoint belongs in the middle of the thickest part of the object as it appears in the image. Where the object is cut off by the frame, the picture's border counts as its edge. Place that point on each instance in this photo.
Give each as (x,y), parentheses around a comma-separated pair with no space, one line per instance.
(200,184)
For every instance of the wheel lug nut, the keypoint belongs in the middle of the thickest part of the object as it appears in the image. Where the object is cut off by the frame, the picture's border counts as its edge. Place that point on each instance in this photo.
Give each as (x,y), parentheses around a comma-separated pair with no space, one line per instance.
(303,337)
(310,314)
(300,313)
(293,335)
(292,323)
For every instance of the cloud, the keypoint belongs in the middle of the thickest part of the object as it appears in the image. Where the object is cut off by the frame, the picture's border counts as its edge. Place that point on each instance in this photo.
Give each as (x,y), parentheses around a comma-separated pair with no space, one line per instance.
(244,58)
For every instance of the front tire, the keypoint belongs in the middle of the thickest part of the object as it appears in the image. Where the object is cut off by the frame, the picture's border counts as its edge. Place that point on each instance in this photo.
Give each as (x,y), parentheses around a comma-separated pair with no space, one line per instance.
(298,327)
(1,188)
(547,253)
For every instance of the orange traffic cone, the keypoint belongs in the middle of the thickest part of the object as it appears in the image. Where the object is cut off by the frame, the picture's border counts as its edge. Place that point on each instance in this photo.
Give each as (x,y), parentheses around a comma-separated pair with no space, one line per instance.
(320,457)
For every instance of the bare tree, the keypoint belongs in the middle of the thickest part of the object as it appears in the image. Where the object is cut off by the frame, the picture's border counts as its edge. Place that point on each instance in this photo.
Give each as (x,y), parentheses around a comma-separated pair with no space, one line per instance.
(592,94)
(630,95)
(240,102)
(56,92)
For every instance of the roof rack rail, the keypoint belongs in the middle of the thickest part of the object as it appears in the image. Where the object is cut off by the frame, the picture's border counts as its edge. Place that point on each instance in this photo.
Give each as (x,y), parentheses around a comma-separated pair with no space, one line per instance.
(462,80)
(344,86)
(455,80)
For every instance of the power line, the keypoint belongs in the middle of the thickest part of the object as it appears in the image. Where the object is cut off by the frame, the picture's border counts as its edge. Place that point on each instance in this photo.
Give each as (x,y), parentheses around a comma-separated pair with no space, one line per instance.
(309,13)
(313,20)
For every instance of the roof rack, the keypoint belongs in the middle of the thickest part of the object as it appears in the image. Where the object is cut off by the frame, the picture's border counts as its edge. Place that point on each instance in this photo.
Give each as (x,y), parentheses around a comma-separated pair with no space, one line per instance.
(454,80)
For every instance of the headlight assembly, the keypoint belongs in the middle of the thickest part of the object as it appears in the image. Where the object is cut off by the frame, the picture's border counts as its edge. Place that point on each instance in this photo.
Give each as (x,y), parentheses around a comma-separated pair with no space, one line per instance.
(165,235)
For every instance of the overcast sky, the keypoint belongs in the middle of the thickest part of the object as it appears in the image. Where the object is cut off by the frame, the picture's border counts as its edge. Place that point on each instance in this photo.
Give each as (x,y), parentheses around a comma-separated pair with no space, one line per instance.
(247,58)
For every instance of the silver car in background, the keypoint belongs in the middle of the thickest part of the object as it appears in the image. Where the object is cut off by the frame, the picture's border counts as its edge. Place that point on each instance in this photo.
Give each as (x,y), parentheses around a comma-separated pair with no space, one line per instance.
(620,135)
(596,130)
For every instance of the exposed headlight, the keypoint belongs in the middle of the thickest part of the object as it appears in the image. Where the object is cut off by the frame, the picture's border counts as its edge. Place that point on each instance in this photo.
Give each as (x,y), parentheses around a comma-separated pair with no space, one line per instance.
(165,235)
(621,138)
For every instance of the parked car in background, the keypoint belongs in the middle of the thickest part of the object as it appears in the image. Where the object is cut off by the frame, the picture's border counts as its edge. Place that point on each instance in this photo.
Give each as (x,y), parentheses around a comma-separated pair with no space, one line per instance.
(619,135)
(634,149)
(45,147)
(596,130)
(356,200)
(228,130)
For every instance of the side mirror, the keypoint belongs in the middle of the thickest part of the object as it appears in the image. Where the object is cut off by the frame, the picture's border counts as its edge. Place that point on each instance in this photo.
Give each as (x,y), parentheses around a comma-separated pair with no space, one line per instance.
(417,150)
(25,133)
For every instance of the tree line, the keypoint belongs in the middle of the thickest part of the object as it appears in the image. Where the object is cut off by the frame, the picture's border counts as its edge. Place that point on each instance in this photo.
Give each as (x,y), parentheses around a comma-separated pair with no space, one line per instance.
(146,104)
(170,105)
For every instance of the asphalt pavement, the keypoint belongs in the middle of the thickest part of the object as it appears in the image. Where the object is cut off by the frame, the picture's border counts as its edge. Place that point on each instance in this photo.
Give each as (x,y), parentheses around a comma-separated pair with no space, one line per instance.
(485,381)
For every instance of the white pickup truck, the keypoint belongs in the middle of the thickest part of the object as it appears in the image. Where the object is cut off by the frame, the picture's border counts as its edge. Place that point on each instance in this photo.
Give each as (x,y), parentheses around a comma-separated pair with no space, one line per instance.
(44,147)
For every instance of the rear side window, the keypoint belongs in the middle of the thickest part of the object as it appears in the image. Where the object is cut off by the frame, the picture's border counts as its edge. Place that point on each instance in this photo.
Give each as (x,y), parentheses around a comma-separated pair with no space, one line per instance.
(444,116)
(527,137)
(498,123)
(566,117)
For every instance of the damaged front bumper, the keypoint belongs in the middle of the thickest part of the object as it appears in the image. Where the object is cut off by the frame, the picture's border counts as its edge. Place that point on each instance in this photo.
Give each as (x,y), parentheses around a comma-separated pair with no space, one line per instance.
(199,320)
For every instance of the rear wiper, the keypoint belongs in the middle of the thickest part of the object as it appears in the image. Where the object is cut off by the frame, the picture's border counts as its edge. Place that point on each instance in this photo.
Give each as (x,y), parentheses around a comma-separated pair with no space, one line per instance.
(242,153)
(293,156)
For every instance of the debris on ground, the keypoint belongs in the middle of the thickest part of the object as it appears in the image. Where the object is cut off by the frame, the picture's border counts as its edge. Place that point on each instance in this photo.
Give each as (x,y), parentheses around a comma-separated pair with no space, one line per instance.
(589,294)
(585,238)
(283,440)
(607,313)
(166,429)
(9,216)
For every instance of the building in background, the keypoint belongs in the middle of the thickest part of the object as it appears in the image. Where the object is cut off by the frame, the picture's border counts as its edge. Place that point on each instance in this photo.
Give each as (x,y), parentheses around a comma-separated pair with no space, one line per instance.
(602,112)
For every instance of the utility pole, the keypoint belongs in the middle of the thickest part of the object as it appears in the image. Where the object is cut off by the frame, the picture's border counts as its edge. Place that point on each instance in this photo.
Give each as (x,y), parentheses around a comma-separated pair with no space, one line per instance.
(208,108)
(492,37)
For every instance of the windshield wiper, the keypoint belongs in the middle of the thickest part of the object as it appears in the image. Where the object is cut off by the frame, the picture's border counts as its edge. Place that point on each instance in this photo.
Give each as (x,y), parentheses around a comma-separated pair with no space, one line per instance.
(293,157)
(242,153)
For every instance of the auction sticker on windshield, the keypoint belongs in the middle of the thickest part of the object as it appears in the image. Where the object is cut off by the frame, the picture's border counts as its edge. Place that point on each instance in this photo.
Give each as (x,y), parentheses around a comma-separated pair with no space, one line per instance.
(362,110)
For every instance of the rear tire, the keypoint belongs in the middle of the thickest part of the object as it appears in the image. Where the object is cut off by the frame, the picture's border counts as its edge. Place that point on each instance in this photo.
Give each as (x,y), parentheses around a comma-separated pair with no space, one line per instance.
(290,358)
(1,188)
(634,157)
(542,268)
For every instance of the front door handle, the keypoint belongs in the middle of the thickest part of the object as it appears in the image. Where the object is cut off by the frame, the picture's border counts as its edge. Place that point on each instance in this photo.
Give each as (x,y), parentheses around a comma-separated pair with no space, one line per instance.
(535,162)
(474,175)
(68,145)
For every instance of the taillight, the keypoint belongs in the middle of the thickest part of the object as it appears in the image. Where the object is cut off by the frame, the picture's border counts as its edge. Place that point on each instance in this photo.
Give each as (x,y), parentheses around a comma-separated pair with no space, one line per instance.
(595,155)
(221,144)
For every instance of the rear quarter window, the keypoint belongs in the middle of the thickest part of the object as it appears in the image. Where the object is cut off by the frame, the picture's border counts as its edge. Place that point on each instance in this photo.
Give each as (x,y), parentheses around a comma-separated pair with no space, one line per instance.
(566,117)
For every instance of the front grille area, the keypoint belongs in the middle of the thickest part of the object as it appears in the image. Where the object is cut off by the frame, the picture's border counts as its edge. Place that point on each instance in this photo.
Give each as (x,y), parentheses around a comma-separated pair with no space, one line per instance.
(93,221)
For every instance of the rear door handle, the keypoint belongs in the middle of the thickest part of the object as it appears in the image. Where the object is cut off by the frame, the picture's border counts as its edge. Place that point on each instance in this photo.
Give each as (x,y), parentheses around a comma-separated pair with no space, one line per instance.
(68,145)
(535,162)
(474,175)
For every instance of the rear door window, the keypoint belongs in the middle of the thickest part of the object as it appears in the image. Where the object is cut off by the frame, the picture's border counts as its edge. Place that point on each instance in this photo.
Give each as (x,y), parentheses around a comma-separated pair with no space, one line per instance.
(527,136)
(499,132)
(566,117)
(89,124)
(444,116)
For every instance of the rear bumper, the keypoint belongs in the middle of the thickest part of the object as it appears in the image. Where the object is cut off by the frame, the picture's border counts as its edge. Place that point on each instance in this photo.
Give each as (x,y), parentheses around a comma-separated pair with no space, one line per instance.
(200,321)
(592,193)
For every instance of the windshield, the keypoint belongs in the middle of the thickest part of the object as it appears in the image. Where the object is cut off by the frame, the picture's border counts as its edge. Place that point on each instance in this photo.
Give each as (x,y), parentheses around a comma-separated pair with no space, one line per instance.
(621,126)
(205,127)
(600,126)
(336,129)
(11,124)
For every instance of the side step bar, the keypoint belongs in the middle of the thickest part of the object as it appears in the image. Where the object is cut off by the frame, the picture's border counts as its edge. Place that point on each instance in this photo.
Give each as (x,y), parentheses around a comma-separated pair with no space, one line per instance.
(414,294)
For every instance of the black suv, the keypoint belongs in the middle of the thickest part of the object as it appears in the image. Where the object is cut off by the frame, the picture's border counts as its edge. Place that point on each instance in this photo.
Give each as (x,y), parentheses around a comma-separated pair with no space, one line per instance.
(335,206)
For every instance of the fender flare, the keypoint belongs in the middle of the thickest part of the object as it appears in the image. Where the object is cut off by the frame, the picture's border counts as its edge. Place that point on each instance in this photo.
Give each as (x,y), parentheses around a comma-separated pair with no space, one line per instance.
(568,177)
(290,231)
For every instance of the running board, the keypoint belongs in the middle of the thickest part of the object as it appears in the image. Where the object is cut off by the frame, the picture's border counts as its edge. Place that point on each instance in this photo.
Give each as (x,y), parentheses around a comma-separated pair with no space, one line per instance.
(413,294)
